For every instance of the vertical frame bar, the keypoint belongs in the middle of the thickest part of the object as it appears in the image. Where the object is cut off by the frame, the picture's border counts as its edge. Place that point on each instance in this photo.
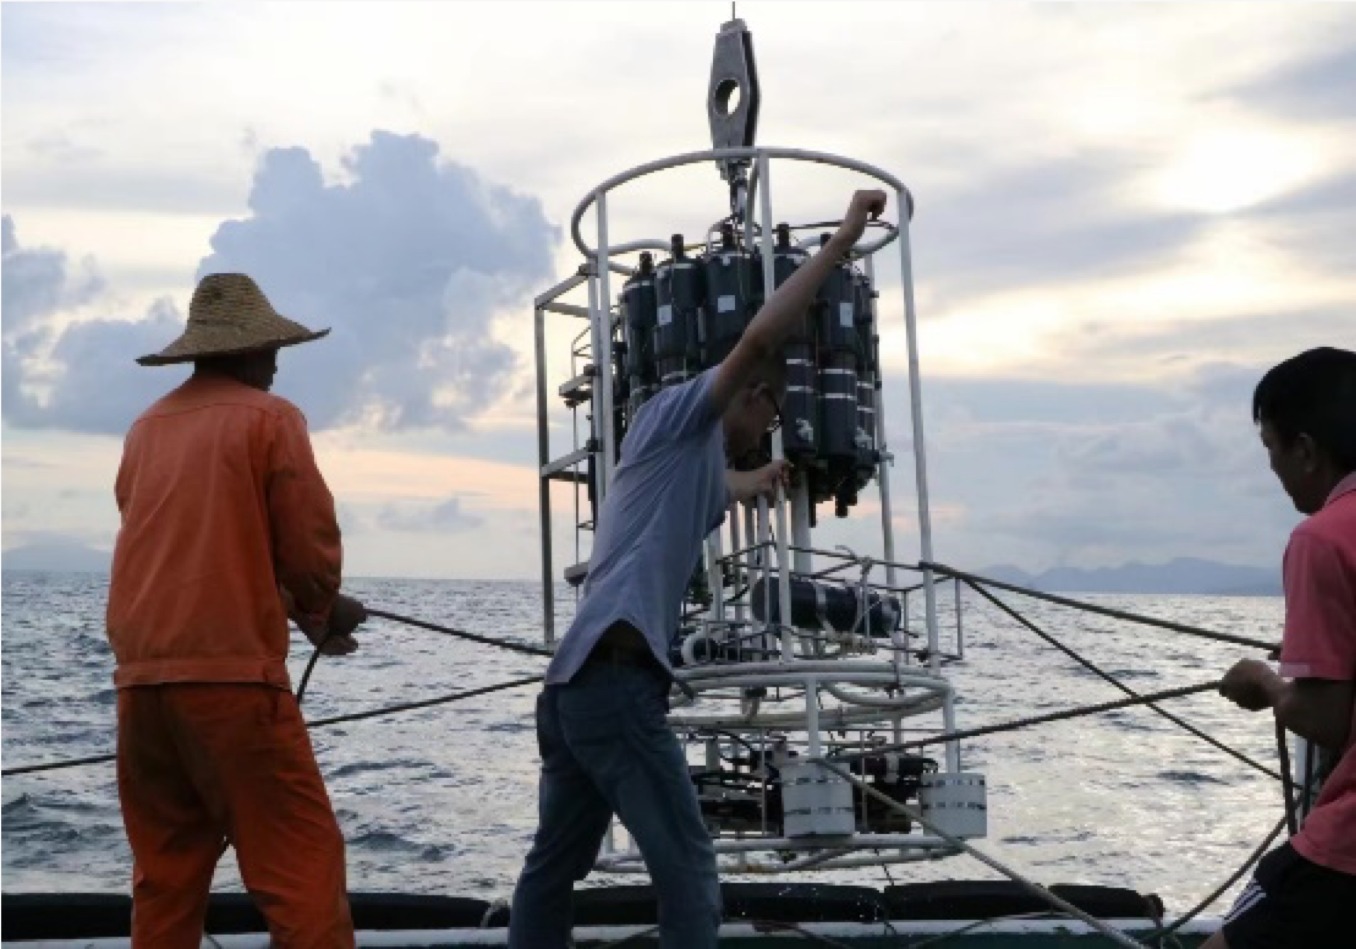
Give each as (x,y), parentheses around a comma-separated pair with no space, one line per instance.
(714,575)
(960,630)
(738,574)
(543,482)
(921,470)
(602,355)
(783,566)
(887,521)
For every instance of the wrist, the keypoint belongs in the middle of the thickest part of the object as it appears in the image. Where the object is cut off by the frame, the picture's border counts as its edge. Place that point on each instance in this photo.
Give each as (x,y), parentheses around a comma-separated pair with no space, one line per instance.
(840,243)
(311,620)
(1274,687)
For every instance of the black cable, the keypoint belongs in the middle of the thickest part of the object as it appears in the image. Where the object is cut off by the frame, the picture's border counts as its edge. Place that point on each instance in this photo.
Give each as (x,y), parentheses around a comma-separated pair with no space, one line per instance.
(1060,716)
(773,925)
(971,927)
(310,666)
(890,879)
(57,765)
(1215,894)
(1101,610)
(627,940)
(305,680)
(317,723)
(1087,664)
(700,732)
(1287,782)
(426,703)
(462,634)
(1307,795)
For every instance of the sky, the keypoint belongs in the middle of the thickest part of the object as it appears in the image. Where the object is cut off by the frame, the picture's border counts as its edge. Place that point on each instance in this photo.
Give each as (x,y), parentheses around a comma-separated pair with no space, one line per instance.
(1124,215)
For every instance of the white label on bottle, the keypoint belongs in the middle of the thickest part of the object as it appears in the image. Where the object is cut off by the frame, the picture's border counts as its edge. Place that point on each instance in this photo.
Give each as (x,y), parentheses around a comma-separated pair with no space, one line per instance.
(665,315)
(845,314)
(725,304)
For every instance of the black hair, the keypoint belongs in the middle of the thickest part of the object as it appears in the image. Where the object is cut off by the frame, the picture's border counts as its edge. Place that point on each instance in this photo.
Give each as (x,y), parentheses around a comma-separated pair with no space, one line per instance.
(1312,394)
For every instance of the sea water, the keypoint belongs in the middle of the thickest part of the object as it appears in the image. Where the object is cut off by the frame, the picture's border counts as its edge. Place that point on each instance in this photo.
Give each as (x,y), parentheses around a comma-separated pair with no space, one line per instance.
(443,800)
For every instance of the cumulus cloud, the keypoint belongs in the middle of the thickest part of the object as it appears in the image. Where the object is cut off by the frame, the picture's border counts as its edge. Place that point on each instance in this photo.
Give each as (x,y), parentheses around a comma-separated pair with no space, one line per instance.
(79,378)
(409,259)
(98,387)
(446,517)
(38,282)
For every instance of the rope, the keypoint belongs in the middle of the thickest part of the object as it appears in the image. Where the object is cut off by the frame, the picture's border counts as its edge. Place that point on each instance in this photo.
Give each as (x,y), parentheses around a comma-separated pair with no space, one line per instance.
(627,940)
(57,765)
(1118,938)
(1060,716)
(310,666)
(776,926)
(971,927)
(1287,782)
(426,703)
(357,716)
(461,634)
(1219,890)
(1087,664)
(317,723)
(1101,610)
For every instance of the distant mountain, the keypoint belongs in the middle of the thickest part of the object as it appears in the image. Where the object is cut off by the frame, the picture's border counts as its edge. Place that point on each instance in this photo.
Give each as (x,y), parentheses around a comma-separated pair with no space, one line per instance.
(1182,575)
(56,556)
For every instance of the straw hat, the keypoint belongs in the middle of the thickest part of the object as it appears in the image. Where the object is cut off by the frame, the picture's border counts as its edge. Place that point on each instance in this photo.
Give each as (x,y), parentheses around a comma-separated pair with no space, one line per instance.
(230,316)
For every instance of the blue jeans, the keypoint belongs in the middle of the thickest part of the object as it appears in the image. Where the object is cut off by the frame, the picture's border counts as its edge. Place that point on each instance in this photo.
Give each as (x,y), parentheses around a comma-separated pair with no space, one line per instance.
(606,749)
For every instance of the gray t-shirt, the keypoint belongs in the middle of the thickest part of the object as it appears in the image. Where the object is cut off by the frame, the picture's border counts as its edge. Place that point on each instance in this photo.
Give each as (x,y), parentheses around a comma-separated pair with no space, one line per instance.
(667,494)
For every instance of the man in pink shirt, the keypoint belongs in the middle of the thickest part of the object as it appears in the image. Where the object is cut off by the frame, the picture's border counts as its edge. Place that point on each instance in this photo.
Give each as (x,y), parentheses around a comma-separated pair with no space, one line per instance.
(1304,892)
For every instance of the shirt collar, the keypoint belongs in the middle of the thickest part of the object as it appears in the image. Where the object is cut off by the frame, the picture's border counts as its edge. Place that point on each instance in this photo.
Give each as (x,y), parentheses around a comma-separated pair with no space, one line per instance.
(1346,486)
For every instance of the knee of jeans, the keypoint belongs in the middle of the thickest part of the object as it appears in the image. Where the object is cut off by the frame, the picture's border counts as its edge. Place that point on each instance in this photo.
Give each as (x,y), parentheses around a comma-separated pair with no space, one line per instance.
(584,867)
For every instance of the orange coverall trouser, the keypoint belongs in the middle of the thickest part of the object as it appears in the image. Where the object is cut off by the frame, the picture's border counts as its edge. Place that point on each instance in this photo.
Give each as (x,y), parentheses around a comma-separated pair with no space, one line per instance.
(203,764)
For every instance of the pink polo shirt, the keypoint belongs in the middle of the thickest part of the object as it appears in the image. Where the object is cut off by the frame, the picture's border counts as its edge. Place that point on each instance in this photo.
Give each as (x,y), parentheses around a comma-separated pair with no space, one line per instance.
(1320,643)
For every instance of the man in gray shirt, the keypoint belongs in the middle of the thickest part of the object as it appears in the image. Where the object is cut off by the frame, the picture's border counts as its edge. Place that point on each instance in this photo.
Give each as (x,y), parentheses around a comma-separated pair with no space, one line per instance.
(602,732)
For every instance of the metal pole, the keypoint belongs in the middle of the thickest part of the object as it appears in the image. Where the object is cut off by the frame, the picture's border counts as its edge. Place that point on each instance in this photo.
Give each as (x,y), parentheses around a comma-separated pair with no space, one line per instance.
(596,417)
(921,473)
(791,154)
(802,561)
(737,574)
(887,517)
(902,654)
(887,522)
(602,356)
(960,630)
(816,746)
(713,574)
(544,483)
(750,565)
(783,566)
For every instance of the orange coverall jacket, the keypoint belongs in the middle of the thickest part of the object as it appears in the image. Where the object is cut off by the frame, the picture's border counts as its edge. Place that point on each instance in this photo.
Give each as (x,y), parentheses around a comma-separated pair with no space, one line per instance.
(221,503)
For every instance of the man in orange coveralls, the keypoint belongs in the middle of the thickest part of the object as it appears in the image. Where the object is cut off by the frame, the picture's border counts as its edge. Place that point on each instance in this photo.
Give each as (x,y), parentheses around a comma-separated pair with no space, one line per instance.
(227,529)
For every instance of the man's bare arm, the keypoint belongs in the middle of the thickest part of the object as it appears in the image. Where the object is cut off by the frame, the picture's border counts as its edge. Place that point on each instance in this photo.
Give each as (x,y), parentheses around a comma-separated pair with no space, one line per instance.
(750,485)
(1317,709)
(782,313)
